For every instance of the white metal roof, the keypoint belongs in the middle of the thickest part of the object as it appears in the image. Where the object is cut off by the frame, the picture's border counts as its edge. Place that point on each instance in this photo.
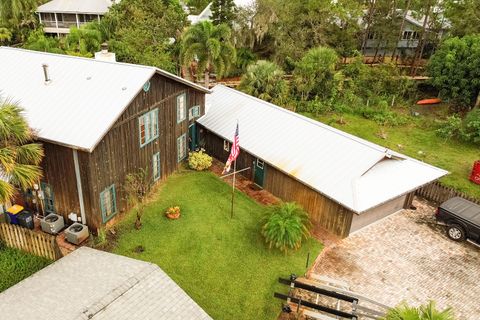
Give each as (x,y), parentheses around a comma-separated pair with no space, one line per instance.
(76,6)
(353,172)
(92,284)
(84,98)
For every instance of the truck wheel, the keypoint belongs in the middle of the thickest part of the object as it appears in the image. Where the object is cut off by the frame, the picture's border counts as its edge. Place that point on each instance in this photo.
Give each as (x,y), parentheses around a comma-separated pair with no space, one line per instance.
(456,232)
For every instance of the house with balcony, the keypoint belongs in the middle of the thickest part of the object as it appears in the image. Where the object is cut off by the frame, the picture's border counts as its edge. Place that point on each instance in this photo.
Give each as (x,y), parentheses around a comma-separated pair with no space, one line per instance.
(57,16)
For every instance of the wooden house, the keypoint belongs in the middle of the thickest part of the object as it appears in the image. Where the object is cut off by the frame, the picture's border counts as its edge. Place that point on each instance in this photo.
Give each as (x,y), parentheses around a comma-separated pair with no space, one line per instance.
(344,182)
(99,121)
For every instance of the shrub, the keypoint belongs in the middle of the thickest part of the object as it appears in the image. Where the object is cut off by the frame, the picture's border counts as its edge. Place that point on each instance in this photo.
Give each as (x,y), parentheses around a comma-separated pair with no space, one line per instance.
(452,128)
(285,226)
(472,126)
(199,160)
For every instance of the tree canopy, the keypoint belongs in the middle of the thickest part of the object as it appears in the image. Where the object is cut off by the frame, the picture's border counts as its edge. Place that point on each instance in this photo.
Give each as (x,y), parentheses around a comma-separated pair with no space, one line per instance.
(455,70)
(223,12)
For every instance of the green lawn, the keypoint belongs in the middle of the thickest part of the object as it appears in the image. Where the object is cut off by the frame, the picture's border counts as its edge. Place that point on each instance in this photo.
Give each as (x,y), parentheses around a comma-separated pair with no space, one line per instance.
(418,140)
(16,265)
(222,263)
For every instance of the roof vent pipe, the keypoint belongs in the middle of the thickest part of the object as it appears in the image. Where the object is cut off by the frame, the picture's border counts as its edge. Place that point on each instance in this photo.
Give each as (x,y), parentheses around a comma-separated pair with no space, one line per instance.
(45,73)
(104,48)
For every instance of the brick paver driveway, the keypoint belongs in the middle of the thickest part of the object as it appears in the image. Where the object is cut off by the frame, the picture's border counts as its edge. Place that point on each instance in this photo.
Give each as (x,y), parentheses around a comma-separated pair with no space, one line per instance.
(407,257)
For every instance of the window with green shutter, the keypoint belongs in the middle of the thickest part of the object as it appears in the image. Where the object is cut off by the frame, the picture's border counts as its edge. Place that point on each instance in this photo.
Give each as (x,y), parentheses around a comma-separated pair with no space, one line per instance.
(156,166)
(108,203)
(181,147)
(181,107)
(148,127)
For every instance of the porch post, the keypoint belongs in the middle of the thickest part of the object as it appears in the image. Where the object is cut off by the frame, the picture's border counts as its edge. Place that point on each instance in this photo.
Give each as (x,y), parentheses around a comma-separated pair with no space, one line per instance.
(78,22)
(79,186)
(56,24)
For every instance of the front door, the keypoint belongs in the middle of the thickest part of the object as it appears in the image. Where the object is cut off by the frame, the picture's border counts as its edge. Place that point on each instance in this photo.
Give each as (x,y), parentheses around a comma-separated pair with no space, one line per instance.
(192,137)
(259,177)
(48,198)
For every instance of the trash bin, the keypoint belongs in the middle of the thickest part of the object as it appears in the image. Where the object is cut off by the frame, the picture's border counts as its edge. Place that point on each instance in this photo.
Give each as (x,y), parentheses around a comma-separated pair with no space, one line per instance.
(25,219)
(475,176)
(13,212)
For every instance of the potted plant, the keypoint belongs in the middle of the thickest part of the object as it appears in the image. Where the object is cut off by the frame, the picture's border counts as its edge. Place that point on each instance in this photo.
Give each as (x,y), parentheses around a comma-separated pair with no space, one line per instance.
(173,213)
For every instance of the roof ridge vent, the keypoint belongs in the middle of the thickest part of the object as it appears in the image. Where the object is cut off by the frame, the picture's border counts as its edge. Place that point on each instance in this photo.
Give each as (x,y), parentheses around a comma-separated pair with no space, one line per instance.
(46,74)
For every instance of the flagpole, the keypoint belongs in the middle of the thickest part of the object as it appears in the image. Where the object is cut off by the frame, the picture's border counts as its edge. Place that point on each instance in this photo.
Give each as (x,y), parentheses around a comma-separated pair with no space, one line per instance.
(233,185)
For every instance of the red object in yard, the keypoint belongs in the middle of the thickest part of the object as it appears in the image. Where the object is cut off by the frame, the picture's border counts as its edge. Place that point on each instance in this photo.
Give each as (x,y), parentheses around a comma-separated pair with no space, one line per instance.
(429,101)
(475,176)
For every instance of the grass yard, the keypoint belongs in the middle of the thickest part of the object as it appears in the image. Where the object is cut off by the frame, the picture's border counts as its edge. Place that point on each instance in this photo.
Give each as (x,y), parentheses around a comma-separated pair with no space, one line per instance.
(417,139)
(222,263)
(16,265)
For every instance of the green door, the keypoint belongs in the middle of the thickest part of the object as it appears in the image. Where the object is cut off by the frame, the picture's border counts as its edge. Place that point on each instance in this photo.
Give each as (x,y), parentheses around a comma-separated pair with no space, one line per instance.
(48,198)
(192,137)
(259,178)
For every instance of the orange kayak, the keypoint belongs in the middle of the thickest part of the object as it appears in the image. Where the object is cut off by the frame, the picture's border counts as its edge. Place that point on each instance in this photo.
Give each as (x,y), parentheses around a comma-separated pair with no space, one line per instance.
(429,101)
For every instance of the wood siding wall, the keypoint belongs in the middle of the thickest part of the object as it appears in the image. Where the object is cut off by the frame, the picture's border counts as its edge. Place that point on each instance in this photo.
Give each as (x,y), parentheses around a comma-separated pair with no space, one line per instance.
(119,152)
(59,172)
(323,211)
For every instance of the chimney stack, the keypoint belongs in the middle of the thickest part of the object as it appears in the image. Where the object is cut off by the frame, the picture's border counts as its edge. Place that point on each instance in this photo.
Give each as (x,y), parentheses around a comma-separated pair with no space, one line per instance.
(104,55)
(45,73)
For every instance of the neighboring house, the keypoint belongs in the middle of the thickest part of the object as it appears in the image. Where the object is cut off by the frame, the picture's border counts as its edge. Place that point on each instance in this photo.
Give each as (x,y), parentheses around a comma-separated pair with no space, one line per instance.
(57,16)
(409,41)
(92,284)
(98,122)
(206,13)
(344,182)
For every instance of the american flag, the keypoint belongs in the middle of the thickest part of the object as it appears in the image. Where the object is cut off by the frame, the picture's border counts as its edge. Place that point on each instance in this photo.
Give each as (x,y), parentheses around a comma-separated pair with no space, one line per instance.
(234,152)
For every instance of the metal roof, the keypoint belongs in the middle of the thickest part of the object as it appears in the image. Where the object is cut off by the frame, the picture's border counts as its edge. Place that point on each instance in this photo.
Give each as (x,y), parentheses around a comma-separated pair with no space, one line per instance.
(76,6)
(92,284)
(356,173)
(84,98)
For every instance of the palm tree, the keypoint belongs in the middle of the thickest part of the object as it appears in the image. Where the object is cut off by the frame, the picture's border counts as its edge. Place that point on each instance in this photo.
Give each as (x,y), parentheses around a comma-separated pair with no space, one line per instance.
(210,46)
(426,312)
(19,156)
(264,80)
(13,11)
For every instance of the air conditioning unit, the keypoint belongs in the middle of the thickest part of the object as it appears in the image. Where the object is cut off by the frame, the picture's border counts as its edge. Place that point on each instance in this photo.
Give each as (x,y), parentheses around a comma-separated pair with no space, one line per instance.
(77,233)
(52,223)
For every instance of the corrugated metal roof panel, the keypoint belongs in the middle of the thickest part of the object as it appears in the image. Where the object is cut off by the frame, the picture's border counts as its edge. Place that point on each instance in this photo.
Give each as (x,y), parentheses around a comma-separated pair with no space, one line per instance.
(84,98)
(76,6)
(354,172)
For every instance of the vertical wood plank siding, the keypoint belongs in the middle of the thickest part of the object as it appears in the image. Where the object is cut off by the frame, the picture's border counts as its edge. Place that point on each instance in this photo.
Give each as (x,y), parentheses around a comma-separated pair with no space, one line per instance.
(59,173)
(119,152)
(323,211)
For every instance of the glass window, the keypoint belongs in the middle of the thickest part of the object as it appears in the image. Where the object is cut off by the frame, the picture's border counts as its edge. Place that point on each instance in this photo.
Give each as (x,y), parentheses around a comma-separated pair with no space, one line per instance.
(108,203)
(148,127)
(181,107)
(194,112)
(182,147)
(156,166)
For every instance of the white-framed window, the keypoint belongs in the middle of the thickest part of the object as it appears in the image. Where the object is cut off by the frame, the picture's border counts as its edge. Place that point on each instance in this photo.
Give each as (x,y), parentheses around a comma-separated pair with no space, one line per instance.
(226,145)
(148,127)
(108,203)
(156,166)
(193,112)
(181,107)
(181,147)
(260,163)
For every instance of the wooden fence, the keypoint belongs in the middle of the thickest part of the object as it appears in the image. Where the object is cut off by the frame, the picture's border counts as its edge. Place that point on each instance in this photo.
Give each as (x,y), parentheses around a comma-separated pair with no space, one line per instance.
(37,243)
(438,193)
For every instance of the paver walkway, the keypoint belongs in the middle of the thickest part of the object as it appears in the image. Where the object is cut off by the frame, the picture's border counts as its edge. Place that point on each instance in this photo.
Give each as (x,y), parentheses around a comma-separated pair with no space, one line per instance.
(408,257)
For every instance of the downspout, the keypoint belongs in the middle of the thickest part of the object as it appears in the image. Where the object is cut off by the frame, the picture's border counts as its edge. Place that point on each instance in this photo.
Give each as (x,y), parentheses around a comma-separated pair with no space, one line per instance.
(79,186)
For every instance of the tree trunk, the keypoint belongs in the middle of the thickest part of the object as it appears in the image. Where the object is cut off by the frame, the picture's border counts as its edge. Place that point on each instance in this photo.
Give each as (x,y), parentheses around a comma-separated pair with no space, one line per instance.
(207,78)
(400,32)
(369,22)
(421,42)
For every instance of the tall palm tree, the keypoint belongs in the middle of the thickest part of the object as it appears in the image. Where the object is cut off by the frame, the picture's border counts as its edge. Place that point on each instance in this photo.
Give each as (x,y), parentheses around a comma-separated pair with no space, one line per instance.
(426,312)
(210,46)
(19,156)
(13,11)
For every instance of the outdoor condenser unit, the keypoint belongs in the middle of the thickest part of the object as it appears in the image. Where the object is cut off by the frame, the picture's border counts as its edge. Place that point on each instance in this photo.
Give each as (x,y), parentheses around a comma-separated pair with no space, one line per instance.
(53,223)
(77,233)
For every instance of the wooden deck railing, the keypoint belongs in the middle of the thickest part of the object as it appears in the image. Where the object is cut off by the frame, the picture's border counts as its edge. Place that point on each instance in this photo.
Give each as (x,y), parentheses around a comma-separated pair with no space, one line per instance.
(438,193)
(37,243)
